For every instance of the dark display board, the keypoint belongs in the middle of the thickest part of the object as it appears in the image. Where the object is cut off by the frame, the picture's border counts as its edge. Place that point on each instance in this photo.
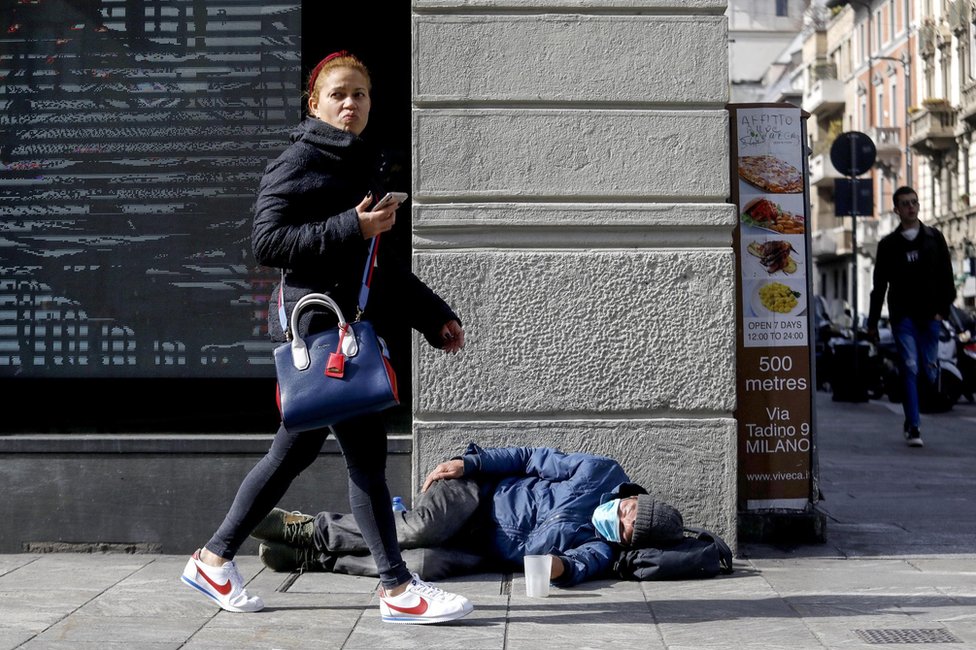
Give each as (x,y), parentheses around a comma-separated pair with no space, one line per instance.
(133,136)
(132,139)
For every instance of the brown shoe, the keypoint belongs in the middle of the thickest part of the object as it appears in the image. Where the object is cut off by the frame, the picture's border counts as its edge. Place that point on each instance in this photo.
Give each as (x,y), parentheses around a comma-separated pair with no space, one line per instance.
(292,528)
(282,557)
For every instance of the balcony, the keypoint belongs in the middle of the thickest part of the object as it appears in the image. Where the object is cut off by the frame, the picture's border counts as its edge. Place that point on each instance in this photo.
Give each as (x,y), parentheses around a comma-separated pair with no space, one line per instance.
(926,37)
(867,237)
(933,127)
(959,16)
(824,96)
(831,243)
(887,141)
(967,110)
(823,244)
(822,171)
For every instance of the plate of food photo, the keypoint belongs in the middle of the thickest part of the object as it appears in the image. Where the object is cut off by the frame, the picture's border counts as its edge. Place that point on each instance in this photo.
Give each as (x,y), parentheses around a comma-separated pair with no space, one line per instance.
(770,174)
(776,299)
(768,215)
(774,255)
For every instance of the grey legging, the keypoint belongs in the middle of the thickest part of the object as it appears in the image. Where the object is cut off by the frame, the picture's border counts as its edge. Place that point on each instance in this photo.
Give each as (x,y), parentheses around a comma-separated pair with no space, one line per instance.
(432,535)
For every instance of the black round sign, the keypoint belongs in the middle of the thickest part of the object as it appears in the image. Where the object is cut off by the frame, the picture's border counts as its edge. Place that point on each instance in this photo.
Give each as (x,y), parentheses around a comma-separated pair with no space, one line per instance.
(853,153)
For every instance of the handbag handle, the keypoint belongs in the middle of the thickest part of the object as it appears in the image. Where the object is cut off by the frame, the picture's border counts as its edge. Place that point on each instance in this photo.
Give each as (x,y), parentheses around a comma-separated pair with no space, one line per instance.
(299,351)
(374,247)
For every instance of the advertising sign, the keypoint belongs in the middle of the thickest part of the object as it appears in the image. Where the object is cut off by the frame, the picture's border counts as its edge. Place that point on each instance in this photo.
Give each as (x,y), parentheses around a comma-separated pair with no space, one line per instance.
(774,387)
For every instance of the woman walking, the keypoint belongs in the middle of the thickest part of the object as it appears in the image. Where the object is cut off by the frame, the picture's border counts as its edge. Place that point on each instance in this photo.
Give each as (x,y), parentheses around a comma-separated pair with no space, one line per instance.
(314,218)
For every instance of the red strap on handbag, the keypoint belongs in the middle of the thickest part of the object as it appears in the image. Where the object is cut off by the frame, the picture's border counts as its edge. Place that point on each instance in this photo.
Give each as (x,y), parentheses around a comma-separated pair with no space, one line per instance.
(337,360)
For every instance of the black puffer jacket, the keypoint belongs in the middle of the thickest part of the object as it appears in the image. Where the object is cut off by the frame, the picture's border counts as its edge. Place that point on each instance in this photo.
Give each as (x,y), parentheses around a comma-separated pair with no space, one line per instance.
(305,222)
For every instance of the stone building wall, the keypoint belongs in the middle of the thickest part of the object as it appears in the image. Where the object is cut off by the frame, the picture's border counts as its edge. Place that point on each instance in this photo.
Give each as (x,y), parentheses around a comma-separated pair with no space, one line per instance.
(569,196)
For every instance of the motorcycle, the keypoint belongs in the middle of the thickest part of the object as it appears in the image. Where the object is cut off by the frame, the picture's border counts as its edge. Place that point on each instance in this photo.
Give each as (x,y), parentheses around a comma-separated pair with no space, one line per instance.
(887,362)
(840,362)
(936,398)
(944,395)
(967,366)
(847,384)
(965,325)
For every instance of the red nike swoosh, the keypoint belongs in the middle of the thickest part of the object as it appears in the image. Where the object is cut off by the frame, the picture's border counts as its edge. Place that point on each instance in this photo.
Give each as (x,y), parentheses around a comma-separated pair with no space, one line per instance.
(417,609)
(223,589)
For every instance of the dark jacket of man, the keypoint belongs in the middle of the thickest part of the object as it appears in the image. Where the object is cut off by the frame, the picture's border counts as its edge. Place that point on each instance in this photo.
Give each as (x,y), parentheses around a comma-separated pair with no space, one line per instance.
(917,276)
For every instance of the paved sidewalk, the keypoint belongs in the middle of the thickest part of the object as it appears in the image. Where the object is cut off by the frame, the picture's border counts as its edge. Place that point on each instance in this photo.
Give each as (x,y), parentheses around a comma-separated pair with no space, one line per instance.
(899,565)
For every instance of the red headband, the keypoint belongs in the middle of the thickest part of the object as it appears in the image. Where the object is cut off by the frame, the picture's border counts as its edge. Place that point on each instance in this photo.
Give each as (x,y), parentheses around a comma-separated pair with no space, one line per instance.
(317,69)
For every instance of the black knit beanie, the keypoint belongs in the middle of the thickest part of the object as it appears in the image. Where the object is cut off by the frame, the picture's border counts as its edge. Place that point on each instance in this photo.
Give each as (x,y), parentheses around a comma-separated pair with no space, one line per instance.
(656,523)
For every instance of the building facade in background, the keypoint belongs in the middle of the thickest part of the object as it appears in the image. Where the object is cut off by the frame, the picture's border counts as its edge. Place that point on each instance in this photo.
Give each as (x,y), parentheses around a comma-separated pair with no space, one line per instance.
(902,72)
(761,35)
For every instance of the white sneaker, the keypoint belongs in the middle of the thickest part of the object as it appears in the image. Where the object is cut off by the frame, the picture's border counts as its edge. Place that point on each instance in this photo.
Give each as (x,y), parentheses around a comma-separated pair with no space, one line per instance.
(223,584)
(423,603)
(913,437)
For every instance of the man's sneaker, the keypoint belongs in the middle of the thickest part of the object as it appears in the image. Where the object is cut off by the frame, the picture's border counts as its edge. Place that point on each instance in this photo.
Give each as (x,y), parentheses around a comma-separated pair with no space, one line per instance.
(423,603)
(282,557)
(224,584)
(289,527)
(913,437)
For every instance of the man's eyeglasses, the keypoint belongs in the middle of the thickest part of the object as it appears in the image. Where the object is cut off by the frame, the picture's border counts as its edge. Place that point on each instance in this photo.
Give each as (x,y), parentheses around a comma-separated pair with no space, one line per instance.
(908,202)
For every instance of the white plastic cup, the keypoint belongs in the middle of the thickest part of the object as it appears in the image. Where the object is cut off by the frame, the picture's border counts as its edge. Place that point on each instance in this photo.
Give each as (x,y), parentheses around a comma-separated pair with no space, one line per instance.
(537,571)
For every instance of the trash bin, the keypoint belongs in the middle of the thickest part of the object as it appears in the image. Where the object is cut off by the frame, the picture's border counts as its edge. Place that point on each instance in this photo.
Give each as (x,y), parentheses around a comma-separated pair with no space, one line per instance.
(849,383)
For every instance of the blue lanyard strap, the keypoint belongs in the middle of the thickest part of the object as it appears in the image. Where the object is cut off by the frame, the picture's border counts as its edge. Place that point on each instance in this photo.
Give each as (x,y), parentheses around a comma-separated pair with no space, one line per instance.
(374,247)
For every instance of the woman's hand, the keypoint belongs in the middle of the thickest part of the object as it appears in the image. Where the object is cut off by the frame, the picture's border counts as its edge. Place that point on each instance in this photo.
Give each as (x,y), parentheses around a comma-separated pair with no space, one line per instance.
(375,223)
(452,336)
(447,469)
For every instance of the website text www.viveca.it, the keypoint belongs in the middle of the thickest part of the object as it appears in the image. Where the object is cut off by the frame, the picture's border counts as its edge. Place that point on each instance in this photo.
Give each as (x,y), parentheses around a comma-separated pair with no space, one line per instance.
(778,476)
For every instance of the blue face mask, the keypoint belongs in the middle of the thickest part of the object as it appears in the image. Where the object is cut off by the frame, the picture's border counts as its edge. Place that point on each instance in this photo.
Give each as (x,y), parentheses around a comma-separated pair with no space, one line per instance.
(605,520)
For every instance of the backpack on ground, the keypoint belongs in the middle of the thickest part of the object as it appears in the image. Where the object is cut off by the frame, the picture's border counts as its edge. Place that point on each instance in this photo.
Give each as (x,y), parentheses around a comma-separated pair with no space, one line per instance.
(701,554)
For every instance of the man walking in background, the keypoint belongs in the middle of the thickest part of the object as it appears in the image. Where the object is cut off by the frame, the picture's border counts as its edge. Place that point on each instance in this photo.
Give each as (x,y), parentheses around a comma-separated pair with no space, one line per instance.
(913,267)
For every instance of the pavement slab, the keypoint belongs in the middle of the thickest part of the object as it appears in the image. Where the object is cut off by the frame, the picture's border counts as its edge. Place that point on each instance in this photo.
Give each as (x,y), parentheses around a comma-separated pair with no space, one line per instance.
(899,562)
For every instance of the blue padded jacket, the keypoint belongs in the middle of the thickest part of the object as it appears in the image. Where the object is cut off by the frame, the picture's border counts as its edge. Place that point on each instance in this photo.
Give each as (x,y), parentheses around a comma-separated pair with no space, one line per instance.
(542,500)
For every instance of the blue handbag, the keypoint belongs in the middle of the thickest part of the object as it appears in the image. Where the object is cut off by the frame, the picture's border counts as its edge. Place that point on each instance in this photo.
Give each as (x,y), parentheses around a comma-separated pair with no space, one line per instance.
(333,375)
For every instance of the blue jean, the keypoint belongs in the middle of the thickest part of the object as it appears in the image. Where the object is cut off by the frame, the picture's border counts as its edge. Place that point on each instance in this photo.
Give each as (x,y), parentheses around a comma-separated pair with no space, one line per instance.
(918,344)
(364,445)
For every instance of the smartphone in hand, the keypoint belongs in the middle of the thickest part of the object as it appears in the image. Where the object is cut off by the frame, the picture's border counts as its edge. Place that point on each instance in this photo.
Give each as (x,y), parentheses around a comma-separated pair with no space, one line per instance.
(391,197)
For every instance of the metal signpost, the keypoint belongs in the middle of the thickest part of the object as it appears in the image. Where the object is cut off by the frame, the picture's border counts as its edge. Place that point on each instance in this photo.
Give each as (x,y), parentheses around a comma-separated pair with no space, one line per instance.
(852,154)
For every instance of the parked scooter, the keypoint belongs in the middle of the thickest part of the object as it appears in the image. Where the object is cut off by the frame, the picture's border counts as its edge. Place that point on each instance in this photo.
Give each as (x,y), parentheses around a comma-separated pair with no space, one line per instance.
(965,325)
(967,366)
(932,399)
(887,364)
(944,395)
(840,362)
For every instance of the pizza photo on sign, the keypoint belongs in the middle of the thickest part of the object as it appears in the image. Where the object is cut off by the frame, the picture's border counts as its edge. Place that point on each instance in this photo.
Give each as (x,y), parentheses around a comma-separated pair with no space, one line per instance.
(771,174)
(765,214)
